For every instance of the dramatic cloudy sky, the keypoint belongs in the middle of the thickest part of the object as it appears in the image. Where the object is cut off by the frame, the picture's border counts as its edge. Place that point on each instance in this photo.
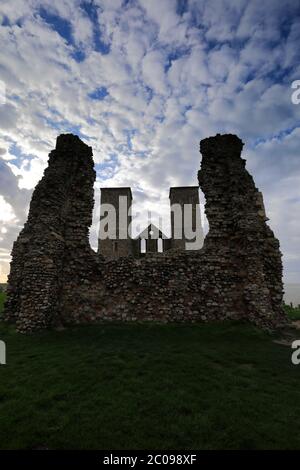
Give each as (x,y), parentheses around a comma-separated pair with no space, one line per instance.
(142,81)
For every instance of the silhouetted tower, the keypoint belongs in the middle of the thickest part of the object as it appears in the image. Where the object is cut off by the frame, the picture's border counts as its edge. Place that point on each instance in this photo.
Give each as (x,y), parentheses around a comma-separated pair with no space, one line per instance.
(115,221)
(185,218)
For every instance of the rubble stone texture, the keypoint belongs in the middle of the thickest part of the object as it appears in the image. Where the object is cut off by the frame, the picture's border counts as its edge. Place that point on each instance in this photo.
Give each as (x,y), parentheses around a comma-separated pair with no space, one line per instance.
(54,242)
(238,230)
(56,279)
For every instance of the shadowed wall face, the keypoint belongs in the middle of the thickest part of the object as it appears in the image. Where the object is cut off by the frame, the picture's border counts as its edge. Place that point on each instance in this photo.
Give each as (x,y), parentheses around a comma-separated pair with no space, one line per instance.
(238,229)
(54,237)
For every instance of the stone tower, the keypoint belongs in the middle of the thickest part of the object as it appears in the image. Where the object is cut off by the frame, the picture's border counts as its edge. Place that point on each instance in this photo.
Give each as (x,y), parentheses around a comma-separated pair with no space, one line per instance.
(115,223)
(185,218)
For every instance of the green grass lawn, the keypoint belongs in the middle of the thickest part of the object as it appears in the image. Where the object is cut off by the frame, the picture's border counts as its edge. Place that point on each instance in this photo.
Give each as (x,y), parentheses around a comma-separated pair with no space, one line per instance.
(293,312)
(148,386)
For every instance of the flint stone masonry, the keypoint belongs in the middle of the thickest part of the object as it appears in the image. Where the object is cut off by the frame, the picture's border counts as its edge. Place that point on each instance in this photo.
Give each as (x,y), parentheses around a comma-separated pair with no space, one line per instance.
(53,246)
(238,230)
(57,279)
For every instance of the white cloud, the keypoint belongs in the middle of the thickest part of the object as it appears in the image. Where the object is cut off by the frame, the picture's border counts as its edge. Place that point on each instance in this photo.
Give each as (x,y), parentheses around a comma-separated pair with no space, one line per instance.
(6,211)
(153,71)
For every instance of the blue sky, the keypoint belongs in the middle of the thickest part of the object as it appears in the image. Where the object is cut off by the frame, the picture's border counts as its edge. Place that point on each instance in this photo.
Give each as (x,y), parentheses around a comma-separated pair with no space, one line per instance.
(143,81)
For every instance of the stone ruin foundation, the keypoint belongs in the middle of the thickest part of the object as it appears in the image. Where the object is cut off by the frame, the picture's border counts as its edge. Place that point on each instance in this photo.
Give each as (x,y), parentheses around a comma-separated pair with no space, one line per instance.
(57,279)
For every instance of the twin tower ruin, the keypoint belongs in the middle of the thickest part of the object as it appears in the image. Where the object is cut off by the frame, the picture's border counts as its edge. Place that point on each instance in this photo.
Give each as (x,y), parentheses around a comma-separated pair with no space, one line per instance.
(57,279)
(185,216)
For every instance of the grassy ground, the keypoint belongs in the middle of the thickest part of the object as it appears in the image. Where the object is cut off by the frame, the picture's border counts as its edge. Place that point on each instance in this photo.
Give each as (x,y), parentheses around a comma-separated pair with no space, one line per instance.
(2,299)
(293,312)
(149,386)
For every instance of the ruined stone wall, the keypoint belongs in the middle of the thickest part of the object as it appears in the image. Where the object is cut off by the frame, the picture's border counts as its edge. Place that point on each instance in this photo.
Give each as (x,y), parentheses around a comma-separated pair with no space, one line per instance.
(170,287)
(238,229)
(53,245)
(236,275)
